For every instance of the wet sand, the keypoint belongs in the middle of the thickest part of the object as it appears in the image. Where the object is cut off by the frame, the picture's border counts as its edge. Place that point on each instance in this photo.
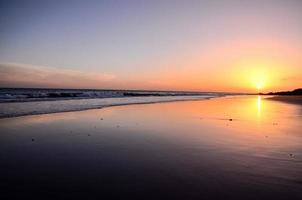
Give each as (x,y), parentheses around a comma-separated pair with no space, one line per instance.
(226,148)
(288,99)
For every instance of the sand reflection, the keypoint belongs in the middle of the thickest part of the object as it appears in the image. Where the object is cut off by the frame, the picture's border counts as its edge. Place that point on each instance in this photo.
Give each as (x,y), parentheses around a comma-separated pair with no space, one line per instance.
(259,105)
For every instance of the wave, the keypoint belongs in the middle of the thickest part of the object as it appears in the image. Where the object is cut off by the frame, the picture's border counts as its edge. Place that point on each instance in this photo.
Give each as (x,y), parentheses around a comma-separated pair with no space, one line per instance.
(28,95)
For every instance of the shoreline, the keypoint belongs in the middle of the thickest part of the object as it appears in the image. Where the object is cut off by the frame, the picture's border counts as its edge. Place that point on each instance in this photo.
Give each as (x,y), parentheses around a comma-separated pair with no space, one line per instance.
(12,110)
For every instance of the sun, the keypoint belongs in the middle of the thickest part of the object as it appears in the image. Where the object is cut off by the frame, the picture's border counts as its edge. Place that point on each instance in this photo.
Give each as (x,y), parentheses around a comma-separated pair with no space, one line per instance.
(259,85)
(259,78)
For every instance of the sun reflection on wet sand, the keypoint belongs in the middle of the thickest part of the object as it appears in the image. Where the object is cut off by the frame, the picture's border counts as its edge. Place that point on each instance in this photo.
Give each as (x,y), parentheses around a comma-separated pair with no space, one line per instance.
(259,105)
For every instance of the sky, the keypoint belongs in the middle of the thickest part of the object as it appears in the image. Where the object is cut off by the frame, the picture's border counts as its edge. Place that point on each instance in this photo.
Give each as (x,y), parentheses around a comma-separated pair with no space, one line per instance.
(205,45)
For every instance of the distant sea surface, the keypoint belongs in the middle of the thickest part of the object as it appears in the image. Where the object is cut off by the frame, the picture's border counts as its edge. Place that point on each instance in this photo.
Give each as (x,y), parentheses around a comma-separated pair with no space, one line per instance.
(36,94)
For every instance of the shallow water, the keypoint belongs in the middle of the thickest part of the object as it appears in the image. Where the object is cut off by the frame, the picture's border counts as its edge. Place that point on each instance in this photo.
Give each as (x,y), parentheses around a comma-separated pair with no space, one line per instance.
(16,109)
(243,147)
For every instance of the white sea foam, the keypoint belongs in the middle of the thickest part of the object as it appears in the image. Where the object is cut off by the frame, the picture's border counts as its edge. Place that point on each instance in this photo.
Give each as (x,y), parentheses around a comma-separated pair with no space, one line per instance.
(14,109)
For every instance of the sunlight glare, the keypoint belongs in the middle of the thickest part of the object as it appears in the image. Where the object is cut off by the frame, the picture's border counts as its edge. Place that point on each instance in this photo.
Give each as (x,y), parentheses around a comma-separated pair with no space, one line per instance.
(259,104)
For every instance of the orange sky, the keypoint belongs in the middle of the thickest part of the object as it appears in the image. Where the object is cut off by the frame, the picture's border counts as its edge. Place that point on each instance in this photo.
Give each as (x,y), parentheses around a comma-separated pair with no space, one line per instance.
(240,66)
(237,66)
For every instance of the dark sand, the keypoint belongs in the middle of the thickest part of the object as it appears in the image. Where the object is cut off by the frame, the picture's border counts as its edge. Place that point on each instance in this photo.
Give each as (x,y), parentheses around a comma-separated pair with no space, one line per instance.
(180,150)
(288,99)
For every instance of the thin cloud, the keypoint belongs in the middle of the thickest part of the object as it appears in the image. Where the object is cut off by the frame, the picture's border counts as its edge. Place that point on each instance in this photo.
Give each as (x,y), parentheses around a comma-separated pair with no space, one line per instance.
(22,75)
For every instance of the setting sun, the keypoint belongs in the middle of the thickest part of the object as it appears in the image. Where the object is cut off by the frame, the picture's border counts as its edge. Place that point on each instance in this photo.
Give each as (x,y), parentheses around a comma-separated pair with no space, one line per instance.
(259,85)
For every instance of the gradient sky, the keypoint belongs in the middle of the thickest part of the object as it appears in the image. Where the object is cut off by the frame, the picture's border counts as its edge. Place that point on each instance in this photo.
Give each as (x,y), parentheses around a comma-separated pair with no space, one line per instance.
(209,45)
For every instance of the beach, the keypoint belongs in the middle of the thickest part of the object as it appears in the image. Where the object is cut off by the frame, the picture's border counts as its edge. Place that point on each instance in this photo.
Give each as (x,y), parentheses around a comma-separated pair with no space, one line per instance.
(190,100)
(233,147)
